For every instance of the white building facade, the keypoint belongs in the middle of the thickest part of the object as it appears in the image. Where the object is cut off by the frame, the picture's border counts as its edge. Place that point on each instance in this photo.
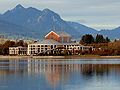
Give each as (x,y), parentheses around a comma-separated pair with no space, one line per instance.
(46,46)
(18,50)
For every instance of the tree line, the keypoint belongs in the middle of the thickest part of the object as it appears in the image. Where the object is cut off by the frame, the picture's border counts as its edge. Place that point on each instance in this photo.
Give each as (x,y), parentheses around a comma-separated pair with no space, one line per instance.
(89,39)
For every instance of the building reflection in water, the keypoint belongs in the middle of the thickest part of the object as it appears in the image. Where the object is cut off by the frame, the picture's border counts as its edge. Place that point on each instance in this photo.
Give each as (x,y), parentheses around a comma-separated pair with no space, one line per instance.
(55,71)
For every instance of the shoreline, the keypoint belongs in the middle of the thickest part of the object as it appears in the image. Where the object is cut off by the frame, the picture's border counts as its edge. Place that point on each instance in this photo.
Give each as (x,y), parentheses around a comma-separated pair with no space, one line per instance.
(60,57)
(31,57)
(93,57)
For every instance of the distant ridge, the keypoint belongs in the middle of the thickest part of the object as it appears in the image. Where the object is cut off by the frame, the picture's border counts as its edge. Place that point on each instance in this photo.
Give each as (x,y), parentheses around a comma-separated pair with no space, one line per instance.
(36,23)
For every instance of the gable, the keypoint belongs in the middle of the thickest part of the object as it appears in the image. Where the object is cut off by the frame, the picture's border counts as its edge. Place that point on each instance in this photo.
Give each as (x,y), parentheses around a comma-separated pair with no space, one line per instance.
(52,33)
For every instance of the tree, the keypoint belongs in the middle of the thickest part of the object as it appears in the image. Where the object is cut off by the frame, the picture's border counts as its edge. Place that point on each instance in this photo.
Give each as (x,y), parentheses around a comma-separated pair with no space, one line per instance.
(21,43)
(8,44)
(5,47)
(107,39)
(87,39)
(100,39)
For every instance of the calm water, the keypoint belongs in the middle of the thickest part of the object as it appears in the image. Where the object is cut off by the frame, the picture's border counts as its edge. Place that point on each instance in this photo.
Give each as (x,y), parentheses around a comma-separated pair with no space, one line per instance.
(60,74)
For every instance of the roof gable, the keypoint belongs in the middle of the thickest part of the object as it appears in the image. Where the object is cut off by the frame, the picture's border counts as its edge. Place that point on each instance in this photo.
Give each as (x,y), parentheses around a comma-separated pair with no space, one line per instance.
(59,34)
(52,32)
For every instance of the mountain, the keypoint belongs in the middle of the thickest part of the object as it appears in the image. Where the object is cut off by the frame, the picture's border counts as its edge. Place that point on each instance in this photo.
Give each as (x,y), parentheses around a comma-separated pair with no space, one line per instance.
(14,30)
(113,34)
(40,22)
(34,23)
(82,29)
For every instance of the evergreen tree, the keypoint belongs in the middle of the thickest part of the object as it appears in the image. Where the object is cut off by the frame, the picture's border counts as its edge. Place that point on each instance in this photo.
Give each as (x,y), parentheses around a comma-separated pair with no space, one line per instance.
(100,39)
(107,39)
(87,39)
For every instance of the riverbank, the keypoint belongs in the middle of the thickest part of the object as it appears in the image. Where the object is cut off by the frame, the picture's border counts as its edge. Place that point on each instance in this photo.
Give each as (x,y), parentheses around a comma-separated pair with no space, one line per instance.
(60,57)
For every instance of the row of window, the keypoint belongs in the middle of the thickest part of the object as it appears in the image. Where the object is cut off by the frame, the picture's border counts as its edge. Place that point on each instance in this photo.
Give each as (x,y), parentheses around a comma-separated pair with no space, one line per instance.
(52,48)
(32,46)
(16,52)
(41,45)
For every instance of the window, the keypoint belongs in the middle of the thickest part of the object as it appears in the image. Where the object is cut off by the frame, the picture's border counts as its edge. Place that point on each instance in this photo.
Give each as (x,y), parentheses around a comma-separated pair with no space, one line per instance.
(42,45)
(38,50)
(33,45)
(51,46)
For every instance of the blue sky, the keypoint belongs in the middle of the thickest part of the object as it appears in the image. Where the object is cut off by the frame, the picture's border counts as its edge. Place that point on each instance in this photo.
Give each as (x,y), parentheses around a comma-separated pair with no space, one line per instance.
(99,14)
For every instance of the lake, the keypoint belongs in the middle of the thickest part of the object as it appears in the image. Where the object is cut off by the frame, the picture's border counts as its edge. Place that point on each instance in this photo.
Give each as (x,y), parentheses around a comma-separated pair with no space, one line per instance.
(60,74)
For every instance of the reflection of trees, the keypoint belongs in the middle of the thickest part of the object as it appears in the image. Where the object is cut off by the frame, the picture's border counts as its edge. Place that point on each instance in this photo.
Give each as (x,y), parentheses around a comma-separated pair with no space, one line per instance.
(95,69)
(56,71)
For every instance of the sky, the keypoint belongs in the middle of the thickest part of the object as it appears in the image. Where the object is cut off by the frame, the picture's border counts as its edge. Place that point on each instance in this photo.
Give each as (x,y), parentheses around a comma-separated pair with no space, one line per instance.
(98,14)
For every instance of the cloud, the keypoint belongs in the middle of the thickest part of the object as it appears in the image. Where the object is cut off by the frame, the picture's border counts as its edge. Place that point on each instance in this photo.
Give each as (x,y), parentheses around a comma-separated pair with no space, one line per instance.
(103,26)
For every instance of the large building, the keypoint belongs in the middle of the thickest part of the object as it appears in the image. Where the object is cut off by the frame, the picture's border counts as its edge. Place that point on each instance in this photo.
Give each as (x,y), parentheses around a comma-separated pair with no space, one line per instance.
(53,42)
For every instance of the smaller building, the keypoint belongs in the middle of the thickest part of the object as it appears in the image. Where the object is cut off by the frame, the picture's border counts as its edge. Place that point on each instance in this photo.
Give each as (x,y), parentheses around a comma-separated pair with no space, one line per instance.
(18,50)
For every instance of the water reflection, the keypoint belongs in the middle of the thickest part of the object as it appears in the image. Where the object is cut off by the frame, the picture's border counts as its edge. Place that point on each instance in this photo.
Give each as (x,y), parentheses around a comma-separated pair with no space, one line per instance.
(58,75)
